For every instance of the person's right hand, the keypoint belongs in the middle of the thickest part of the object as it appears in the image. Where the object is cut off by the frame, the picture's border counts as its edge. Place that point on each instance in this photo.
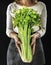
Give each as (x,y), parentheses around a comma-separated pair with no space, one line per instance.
(17,43)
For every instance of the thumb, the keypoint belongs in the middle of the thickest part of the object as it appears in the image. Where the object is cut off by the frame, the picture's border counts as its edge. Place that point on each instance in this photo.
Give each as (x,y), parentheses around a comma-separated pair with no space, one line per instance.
(32,35)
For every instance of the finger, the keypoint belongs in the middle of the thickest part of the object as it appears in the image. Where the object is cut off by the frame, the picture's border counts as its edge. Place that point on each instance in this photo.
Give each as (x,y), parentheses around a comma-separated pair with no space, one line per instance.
(32,43)
(18,49)
(34,49)
(19,42)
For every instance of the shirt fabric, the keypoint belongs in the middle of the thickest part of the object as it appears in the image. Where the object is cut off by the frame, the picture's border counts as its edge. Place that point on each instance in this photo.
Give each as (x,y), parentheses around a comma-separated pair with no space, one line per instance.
(40,7)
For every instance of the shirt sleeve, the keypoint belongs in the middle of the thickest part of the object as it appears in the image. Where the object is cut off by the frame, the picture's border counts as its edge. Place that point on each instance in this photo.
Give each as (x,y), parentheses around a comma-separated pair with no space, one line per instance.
(44,21)
(9,25)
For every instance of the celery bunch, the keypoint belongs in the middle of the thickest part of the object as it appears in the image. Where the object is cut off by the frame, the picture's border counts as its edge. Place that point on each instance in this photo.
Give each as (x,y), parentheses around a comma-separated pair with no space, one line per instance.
(24,19)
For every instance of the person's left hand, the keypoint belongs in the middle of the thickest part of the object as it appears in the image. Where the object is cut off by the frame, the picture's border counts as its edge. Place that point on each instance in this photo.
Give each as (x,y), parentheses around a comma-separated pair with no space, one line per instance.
(33,41)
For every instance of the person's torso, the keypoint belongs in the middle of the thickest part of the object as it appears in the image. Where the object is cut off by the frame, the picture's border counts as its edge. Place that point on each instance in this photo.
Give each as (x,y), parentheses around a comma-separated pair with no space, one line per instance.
(37,7)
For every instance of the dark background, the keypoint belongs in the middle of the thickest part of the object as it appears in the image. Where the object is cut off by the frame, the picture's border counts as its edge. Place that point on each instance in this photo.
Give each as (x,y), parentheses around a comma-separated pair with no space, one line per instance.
(4,40)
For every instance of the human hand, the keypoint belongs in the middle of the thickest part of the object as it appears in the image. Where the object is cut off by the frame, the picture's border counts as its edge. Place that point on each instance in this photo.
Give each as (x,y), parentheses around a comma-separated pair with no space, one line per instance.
(17,43)
(33,41)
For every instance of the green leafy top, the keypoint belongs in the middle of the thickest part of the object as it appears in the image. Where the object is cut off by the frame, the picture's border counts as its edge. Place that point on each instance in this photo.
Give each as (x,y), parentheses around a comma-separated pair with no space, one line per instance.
(26,16)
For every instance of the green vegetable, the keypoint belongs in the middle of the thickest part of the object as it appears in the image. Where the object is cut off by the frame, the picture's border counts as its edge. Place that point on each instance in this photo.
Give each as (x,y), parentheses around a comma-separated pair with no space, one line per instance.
(25,19)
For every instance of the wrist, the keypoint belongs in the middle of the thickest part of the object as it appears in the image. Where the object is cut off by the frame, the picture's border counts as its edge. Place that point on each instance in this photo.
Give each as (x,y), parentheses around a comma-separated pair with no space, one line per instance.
(15,36)
(38,35)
